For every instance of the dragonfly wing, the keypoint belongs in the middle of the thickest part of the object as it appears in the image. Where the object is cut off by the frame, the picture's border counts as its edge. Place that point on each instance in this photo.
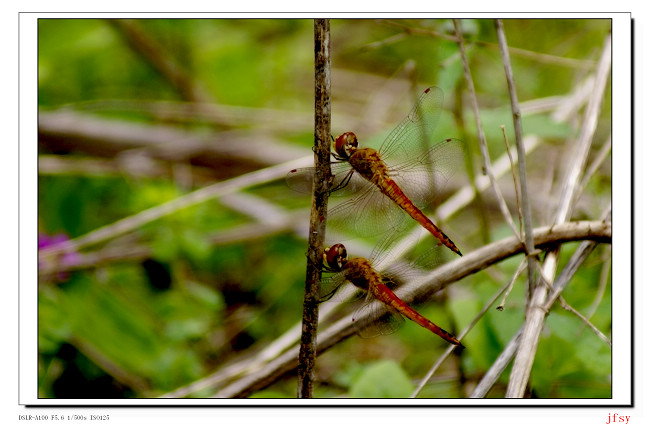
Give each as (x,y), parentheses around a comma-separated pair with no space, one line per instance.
(343,182)
(376,319)
(334,288)
(425,178)
(369,213)
(301,180)
(330,285)
(416,130)
(390,247)
(407,263)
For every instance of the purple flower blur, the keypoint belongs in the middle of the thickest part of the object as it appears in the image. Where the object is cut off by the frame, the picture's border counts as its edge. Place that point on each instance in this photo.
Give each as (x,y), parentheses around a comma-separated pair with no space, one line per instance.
(67,259)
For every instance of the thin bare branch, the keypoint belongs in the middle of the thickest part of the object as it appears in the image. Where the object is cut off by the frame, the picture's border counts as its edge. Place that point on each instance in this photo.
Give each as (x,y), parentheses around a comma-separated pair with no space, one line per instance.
(201,195)
(513,346)
(602,285)
(260,375)
(101,167)
(582,318)
(535,314)
(524,53)
(514,177)
(321,187)
(480,210)
(460,336)
(481,135)
(598,161)
(492,375)
(226,116)
(294,221)
(64,130)
(109,365)
(521,161)
(522,265)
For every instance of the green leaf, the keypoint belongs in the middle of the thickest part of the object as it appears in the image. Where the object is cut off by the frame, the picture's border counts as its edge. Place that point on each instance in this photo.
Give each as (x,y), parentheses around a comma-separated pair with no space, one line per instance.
(384,379)
(195,244)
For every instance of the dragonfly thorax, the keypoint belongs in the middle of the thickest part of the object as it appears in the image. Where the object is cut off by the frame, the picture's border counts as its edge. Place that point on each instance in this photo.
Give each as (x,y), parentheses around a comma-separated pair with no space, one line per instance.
(367,162)
(360,272)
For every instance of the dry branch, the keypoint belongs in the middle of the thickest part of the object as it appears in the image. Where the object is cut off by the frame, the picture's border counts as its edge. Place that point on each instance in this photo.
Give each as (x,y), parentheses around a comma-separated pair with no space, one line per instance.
(261,375)
(481,135)
(133,222)
(521,161)
(535,313)
(66,130)
(577,259)
(318,219)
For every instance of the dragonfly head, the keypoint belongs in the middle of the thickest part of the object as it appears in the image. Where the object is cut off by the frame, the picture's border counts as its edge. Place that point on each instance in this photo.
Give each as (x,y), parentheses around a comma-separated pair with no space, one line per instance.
(336,256)
(345,145)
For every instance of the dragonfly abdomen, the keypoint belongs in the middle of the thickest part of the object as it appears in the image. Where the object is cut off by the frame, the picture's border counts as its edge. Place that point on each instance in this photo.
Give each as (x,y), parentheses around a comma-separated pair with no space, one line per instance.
(393,191)
(386,295)
(368,163)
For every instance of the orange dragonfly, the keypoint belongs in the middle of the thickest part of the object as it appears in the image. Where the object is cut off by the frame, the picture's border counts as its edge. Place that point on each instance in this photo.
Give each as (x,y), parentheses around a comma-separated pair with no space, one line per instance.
(407,171)
(360,272)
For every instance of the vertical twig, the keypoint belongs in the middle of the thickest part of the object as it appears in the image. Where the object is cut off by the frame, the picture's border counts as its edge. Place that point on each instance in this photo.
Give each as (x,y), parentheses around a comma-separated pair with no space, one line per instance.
(513,347)
(481,135)
(460,336)
(595,164)
(514,177)
(602,285)
(560,114)
(516,117)
(322,177)
(480,208)
(502,304)
(494,372)
(535,313)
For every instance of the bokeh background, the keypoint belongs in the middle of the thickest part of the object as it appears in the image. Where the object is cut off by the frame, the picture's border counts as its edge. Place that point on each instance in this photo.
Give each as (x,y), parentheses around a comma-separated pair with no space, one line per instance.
(134,114)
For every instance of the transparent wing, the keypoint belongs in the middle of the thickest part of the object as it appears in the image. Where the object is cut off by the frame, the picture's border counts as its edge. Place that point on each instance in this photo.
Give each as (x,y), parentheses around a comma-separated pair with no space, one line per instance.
(420,170)
(410,263)
(369,213)
(374,319)
(345,182)
(334,287)
(425,179)
(301,180)
(356,205)
(416,130)
(400,262)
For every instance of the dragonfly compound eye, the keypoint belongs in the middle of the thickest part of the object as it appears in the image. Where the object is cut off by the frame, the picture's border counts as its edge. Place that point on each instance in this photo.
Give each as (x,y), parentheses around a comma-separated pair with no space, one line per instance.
(346,144)
(336,256)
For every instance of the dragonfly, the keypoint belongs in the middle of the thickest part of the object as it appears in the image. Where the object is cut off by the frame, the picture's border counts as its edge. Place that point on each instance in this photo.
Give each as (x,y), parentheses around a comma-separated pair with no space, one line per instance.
(404,175)
(360,272)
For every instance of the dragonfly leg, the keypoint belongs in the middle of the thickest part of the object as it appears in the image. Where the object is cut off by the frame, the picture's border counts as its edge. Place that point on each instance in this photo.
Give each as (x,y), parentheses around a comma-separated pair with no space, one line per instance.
(344,183)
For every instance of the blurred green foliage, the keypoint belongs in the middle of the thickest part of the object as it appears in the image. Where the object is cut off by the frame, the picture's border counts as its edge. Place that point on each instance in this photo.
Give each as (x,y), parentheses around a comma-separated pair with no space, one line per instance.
(227,301)
(382,379)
